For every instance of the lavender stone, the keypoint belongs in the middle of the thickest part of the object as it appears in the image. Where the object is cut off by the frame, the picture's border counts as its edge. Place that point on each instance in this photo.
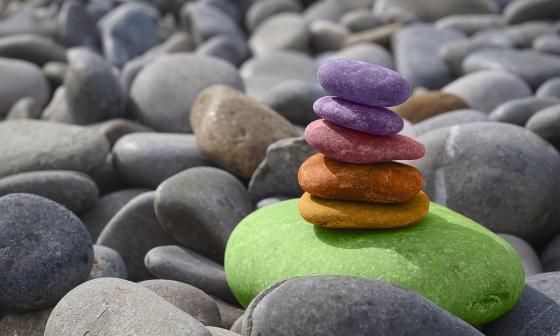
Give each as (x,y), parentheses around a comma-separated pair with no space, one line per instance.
(369,119)
(363,83)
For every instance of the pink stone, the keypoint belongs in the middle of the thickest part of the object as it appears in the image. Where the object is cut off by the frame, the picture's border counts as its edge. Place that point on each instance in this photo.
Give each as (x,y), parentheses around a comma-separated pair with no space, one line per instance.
(343,144)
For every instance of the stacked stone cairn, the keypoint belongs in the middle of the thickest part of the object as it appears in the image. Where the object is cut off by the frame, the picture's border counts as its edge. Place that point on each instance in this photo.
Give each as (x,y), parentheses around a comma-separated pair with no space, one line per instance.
(353,181)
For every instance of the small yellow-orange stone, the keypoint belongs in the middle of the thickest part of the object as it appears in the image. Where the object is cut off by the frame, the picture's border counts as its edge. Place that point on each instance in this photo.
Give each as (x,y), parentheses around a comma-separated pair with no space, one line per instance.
(357,215)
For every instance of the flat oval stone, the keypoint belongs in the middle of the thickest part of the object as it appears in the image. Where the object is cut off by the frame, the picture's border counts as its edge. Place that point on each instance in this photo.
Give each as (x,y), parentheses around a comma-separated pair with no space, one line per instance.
(359,215)
(347,145)
(369,119)
(363,83)
(449,259)
(389,182)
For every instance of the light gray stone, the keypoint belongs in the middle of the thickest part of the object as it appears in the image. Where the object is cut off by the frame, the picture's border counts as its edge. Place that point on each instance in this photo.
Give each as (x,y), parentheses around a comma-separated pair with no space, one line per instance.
(519,111)
(264,9)
(471,23)
(32,48)
(451,118)
(528,256)
(430,10)
(21,79)
(550,88)
(284,31)
(546,123)
(25,108)
(107,263)
(527,10)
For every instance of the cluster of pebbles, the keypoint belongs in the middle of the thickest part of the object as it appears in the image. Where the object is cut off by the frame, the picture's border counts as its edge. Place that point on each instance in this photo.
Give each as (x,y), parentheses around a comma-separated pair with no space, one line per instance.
(150,155)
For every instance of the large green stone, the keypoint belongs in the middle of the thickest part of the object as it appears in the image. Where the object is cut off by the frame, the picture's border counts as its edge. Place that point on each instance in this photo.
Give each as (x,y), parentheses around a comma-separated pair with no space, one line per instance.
(451,260)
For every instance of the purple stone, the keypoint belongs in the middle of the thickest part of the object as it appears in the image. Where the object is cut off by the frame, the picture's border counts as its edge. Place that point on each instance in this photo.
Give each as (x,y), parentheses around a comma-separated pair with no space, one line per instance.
(368,119)
(363,83)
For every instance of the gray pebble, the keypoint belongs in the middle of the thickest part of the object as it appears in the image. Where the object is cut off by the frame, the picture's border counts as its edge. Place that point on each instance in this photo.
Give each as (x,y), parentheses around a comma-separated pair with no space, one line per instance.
(46,251)
(327,35)
(331,10)
(277,174)
(347,306)
(184,265)
(32,48)
(284,31)
(451,118)
(213,200)
(114,129)
(365,52)
(432,10)
(131,69)
(178,42)
(128,32)
(25,324)
(55,73)
(454,53)
(527,10)
(360,19)
(132,232)
(224,47)
(497,194)
(74,190)
(270,200)
(57,110)
(294,99)
(221,332)
(524,34)
(147,159)
(21,79)
(486,90)
(111,306)
(550,255)
(228,312)
(165,89)
(106,177)
(528,256)
(98,216)
(470,23)
(188,298)
(237,326)
(93,92)
(549,44)
(546,123)
(264,9)
(76,27)
(107,263)
(29,145)
(25,108)
(519,111)
(550,88)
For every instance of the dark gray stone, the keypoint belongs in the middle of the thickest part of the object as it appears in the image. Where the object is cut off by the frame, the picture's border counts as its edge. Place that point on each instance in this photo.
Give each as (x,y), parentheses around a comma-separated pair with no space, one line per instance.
(524,34)
(416,55)
(535,68)
(55,73)
(93,92)
(131,69)
(29,145)
(32,48)
(96,218)
(432,10)
(228,312)
(110,306)
(188,298)
(294,99)
(264,9)
(549,44)
(74,190)
(327,35)
(528,256)
(106,177)
(497,194)
(46,251)
(451,118)
(360,19)
(114,129)
(365,52)
(277,174)
(25,108)
(536,314)
(107,263)
(486,90)
(76,27)
(454,53)
(550,256)
(519,111)
(550,88)
(331,10)
(21,79)
(347,306)
(181,264)
(25,324)
(284,31)
(471,23)
(147,159)
(262,73)
(132,232)
(200,207)
(527,10)
(165,89)
(546,123)
(128,31)
(224,47)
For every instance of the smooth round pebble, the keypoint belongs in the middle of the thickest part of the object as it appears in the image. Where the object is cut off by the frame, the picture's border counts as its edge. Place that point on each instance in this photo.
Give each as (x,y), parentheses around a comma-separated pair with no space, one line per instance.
(107,263)
(528,256)
(21,79)
(457,117)
(519,111)
(550,88)
(284,31)
(546,124)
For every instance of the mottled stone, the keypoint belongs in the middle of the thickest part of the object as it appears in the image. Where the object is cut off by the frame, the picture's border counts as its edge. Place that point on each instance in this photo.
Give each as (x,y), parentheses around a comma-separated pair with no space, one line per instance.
(368,307)
(32,48)
(111,306)
(519,111)
(165,90)
(147,159)
(429,104)
(213,200)
(188,298)
(132,232)
(21,79)
(347,145)
(237,147)
(184,265)
(46,251)
(486,90)
(368,119)
(29,145)
(107,263)
(455,178)
(452,118)
(363,83)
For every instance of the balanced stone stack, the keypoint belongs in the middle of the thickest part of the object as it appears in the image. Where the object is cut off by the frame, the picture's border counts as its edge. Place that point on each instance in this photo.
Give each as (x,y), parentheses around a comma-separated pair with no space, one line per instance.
(354,182)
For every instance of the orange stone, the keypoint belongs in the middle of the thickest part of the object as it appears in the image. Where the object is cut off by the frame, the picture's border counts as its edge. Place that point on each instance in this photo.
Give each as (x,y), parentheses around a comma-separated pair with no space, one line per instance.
(359,215)
(387,182)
